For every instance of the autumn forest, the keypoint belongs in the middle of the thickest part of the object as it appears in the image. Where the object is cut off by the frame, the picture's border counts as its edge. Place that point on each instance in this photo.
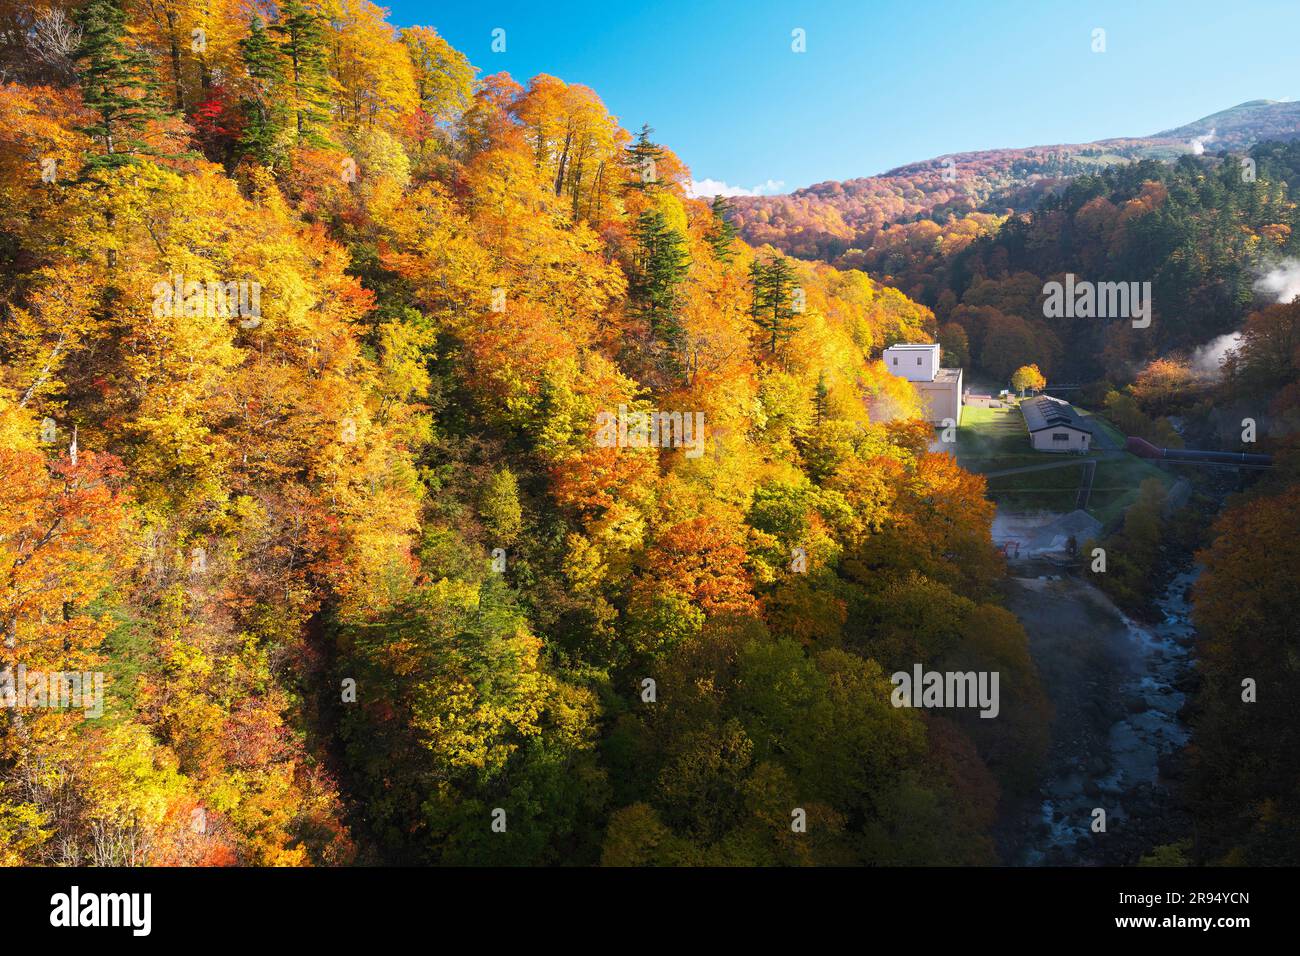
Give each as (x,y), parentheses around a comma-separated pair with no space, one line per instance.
(429,477)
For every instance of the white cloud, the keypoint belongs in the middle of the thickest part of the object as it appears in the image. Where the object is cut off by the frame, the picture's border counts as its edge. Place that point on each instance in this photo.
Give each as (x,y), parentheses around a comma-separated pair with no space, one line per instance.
(706,188)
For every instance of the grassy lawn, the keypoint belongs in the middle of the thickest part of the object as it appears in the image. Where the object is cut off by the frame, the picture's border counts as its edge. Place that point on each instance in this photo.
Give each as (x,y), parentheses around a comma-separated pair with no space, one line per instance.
(993,438)
(1116,485)
(1054,490)
(1100,424)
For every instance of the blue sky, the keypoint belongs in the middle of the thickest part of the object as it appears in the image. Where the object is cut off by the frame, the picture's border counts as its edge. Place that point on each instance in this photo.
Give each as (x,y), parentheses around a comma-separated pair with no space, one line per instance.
(883,83)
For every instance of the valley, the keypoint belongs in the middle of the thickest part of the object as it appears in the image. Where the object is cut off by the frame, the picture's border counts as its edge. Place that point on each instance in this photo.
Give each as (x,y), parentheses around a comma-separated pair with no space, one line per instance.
(1118,688)
(500,493)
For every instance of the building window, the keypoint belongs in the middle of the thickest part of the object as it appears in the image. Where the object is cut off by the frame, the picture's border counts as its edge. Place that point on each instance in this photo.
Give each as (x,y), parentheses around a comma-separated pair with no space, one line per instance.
(895,359)
(1060,436)
(918,360)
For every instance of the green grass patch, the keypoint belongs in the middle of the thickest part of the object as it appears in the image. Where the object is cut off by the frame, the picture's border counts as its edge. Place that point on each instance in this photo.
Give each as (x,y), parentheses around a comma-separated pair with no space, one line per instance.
(1100,424)
(993,438)
(1054,489)
(1116,485)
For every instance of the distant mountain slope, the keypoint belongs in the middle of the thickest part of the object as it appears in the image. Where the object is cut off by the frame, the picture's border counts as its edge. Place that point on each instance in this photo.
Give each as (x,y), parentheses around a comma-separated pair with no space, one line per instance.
(1244,125)
(826,220)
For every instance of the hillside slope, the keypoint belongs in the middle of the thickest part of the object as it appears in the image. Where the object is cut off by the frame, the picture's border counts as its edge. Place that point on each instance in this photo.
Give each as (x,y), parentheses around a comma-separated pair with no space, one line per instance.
(826,220)
(1243,125)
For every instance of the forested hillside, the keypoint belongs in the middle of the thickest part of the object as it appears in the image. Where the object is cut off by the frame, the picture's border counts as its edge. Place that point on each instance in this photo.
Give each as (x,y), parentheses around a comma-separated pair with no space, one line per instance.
(1243,772)
(834,221)
(310,339)
(895,224)
(1215,236)
(1200,231)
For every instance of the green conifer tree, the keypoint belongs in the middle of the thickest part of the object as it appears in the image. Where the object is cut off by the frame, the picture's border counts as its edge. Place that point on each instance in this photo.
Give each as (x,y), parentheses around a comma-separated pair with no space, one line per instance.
(772,306)
(117,83)
(302,32)
(723,236)
(263,107)
(662,264)
(643,158)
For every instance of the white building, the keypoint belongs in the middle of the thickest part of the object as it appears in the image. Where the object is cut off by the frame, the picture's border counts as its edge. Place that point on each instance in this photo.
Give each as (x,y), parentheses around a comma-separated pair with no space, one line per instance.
(1054,425)
(940,388)
(916,363)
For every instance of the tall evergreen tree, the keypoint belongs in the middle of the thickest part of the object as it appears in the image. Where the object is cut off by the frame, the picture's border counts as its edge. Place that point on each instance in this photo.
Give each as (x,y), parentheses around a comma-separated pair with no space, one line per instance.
(758,288)
(265,112)
(662,263)
(772,305)
(820,392)
(723,236)
(117,82)
(643,158)
(302,32)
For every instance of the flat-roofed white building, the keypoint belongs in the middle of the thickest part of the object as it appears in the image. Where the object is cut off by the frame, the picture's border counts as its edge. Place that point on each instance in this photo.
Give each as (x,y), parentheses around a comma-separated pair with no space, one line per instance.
(940,388)
(916,363)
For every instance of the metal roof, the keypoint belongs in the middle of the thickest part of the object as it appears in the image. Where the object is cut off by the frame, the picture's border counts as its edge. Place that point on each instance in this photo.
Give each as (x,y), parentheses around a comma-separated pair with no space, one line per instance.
(1047,412)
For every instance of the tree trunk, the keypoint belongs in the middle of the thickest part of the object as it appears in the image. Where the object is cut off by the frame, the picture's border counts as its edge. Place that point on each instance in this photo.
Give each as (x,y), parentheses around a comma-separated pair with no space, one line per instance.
(176,60)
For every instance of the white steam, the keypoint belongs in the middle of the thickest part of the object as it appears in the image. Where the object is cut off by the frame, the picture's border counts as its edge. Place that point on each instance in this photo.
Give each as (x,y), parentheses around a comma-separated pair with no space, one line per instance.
(1209,357)
(1281,283)
(1198,144)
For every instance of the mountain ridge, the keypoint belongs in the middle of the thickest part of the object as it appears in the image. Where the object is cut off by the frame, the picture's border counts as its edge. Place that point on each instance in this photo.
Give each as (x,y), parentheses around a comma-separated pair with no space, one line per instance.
(827,219)
(1168,138)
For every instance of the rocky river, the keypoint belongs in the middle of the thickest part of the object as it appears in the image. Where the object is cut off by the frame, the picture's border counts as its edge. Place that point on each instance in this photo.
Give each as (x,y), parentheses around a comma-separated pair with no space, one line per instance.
(1117,687)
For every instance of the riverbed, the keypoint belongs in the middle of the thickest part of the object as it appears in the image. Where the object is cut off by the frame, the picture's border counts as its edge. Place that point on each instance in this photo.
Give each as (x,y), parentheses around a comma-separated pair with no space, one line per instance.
(1117,687)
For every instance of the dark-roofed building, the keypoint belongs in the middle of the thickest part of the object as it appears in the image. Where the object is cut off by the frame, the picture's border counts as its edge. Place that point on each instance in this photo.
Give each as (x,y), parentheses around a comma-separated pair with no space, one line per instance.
(1054,425)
